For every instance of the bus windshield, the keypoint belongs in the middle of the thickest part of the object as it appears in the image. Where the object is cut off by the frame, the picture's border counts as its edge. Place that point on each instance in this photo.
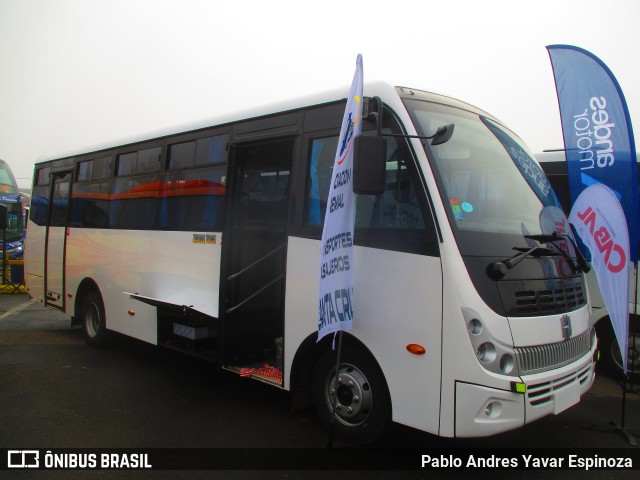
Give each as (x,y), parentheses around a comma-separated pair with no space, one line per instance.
(491,204)
(8,184)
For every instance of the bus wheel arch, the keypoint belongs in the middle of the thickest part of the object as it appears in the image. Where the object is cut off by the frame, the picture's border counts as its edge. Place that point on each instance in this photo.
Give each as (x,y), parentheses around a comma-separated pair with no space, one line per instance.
(364,404)
(90,312)
(611,360)
(304,363)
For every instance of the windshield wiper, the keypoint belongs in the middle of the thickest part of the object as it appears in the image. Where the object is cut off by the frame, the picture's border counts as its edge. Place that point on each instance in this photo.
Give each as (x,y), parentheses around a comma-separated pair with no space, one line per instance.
(497,270)
(582,264)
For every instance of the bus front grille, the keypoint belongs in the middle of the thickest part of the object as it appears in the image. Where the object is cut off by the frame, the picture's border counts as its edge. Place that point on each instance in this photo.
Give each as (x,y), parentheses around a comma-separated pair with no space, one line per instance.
(549,302)
(541,358)
(543,393)
(532,298)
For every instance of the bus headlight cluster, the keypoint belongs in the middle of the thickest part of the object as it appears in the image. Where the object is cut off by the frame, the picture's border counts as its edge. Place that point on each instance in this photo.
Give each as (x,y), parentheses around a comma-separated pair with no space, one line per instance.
(491,354)
(486,352)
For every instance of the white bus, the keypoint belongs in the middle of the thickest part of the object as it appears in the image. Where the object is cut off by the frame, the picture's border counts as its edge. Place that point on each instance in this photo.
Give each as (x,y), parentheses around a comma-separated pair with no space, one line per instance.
(206,239)
(555,166)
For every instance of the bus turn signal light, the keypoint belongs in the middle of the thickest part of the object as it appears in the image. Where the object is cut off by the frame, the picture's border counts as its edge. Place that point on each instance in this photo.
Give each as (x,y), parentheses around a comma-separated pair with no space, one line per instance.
(416,349)
(518,387)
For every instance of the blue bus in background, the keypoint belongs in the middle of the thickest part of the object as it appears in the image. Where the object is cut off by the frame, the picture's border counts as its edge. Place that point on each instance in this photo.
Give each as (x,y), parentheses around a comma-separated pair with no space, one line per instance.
(10,196)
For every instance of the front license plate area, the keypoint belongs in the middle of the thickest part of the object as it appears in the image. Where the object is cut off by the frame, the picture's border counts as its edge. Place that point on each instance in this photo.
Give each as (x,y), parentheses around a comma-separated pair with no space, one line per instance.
(566,397)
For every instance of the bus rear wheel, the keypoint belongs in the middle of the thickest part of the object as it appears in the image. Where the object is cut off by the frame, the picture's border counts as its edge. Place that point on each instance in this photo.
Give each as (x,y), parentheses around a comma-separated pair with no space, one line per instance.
(611,358)
(360,396)
(92,317)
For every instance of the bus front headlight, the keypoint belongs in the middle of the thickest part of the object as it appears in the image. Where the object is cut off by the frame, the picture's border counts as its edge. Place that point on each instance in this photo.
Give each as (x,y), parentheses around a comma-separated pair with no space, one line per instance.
(492,354)
(507,363)
(486,352)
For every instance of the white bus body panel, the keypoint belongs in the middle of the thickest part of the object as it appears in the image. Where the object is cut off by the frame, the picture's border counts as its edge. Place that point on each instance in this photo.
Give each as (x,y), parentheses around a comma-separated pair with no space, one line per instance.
(547,329)
(458,354)
(166,265)
(55,267)
(390,289)
(34,261)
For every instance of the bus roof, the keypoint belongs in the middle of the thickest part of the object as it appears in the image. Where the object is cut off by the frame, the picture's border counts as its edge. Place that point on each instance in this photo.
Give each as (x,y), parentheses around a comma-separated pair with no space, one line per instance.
(378,88)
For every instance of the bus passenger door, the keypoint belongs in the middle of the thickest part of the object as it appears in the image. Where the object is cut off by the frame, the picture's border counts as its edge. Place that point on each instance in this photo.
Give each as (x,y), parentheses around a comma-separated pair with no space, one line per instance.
(254,251)
(56,239)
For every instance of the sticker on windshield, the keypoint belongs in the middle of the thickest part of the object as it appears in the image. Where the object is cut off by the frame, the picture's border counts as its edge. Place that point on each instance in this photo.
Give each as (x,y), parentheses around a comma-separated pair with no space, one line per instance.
(455,206)
(467,207)
(528,167)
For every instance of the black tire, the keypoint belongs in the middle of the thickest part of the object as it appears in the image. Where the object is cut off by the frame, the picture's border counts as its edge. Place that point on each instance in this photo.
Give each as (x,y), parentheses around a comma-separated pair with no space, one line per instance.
(610,358)
(94,327)
(363,413)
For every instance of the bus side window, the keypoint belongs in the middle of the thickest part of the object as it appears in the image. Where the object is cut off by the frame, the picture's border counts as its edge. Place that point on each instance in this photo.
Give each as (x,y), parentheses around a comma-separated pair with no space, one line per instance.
(39,212)
(89,204)
(399,219)
(193,199)
(396,208)
(60,201)
(134,201)
(90,195)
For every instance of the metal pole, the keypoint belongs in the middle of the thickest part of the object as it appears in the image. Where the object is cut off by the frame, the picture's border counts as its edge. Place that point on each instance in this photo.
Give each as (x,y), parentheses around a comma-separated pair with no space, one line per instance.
(4,256)
(635,318)
(630,438)
(335,388)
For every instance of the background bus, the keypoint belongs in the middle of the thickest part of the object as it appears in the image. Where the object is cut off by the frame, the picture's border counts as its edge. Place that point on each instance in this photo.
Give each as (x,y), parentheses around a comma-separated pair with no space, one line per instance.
(10,197)
(555,166)
(206,240)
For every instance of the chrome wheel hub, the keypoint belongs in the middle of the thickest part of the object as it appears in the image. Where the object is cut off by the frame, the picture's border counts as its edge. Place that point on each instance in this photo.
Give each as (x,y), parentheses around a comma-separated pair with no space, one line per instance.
(350,395)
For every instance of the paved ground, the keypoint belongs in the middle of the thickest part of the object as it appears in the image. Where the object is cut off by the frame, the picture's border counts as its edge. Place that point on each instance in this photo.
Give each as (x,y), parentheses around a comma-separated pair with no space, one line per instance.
(55,392)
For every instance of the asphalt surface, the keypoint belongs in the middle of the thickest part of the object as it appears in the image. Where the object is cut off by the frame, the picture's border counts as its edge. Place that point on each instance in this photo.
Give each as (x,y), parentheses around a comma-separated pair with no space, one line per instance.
(56,392)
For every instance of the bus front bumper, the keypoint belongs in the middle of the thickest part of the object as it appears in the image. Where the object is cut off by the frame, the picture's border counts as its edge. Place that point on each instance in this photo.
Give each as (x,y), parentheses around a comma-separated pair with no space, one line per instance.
(484,411)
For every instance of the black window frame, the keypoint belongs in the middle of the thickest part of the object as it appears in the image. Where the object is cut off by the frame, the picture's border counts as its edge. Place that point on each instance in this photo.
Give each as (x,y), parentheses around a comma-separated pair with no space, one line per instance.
(111,197)
(423,241)
(198,146)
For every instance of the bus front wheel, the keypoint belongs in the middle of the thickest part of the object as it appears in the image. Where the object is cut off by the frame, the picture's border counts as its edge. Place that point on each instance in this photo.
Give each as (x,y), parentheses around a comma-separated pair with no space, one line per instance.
(359,395)
(94,326)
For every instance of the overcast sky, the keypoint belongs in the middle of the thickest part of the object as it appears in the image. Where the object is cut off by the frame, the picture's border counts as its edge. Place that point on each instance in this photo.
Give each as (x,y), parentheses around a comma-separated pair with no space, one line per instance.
(75,73)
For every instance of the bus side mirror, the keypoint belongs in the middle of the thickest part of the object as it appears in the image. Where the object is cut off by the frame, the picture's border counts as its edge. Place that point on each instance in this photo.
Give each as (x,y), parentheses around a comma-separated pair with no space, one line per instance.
(369,165)
(4,217)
